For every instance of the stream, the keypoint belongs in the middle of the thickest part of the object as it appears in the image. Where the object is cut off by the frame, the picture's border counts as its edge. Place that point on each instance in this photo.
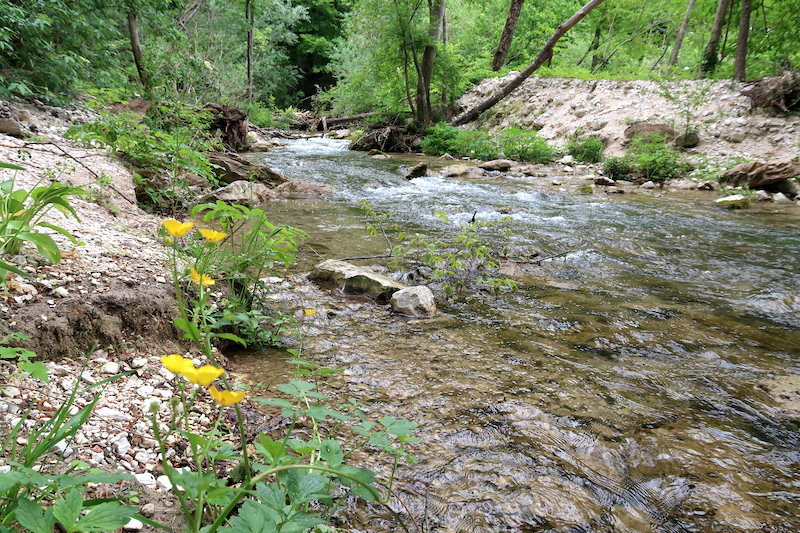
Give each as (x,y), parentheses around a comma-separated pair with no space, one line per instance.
(619,389)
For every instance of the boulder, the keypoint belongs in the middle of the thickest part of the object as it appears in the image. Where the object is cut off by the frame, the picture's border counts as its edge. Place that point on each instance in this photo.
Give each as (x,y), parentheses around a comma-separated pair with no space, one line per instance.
(604,181)
(246,193)
(232,167)
(502,165)
(10,126)
(353,279)
(303,189)
(687,140)
(453,171)
(773,174)
(419,170)
(734,201)
(414,301)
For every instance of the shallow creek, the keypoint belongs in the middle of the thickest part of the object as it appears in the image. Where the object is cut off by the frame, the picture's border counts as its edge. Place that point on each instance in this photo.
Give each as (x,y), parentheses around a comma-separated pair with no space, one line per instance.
(618,390)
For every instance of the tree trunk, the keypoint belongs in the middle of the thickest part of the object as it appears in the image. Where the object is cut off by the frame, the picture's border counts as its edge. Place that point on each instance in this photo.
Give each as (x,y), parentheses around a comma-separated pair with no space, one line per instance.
(545,55)
(136,48)
(740,59)
(709,61)
(508,34)
(676,49)
(425,68)
(248,13)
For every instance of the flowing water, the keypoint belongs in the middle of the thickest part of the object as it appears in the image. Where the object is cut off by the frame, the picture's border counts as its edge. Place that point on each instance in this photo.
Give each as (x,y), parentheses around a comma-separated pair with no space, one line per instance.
(620,389)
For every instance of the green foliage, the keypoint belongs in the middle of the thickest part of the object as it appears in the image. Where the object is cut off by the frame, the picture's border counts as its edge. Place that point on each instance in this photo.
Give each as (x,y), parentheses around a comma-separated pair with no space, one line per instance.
(253,247)
(279,479)
(650,158)
(34,497)
(170,141)
(517,144)
(35,368)
(587,150)
(22,217)
(522,145)
(464,261)
(655,160)
(49,47)
(619,168)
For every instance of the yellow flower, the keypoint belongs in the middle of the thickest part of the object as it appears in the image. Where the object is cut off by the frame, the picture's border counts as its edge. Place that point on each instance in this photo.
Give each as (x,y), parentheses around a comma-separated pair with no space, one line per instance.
(176,363)
(213,236)
(177,229)
(310,312)
(225,397)
(201,279)
(203,375)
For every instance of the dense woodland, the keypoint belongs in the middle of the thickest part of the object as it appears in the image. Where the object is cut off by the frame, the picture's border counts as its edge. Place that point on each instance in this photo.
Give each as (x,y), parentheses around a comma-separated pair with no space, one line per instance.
(352,56)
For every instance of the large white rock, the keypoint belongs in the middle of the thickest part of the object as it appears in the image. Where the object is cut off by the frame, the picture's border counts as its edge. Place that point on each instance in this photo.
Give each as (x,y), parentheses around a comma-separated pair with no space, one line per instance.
(354,279)
(414,301)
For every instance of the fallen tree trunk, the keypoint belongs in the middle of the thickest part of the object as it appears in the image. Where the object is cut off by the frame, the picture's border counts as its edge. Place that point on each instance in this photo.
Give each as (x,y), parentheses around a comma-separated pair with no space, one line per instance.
(544,56)
(325,123)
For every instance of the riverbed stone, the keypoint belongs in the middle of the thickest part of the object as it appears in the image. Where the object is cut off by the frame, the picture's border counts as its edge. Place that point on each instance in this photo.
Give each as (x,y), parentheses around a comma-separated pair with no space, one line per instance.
(734,201)
(241,192)
(459,169)
(354,279)
(419,170)
(303,189)
(501,165)
(414,301)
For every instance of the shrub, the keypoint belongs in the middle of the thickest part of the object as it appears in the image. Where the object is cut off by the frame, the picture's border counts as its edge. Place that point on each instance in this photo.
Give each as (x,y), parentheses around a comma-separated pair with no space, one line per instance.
(588,150)
(514,143)
(619,168)
(440,139)
(655,160)
(522,145)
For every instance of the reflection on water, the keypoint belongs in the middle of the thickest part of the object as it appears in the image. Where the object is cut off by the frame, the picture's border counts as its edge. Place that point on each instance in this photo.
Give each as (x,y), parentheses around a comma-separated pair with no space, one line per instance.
(617,391)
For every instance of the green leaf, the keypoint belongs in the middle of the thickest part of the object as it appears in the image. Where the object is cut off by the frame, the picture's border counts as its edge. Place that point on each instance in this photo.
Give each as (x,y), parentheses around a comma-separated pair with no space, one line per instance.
(395,426)
(331,451)
(231,337)
(67,510)
(273,451)
(10,166)
(305,487)
(296,388)
(34,517)
(254,518)
(189,329)
(36,369)
(105,517)
(44,243)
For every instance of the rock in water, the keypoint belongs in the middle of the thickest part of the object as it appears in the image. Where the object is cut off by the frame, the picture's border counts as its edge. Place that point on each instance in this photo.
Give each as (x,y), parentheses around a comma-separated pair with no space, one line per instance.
(734,201)
(419,170)
(353,279)
(414,301)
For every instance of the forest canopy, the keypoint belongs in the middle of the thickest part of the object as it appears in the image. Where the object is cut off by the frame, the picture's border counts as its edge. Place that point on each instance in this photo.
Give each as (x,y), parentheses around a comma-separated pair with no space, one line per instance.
(352,56)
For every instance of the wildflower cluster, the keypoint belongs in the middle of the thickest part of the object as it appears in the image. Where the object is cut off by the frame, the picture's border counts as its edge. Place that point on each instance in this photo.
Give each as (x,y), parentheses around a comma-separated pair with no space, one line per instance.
(205,375)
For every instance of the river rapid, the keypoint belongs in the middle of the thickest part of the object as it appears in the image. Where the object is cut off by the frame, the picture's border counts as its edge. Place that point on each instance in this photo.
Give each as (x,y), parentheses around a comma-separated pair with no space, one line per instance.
(619,389)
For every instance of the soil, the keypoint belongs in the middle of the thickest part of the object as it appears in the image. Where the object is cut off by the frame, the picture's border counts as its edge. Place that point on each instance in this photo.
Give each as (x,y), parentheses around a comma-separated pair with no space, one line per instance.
(111,299)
